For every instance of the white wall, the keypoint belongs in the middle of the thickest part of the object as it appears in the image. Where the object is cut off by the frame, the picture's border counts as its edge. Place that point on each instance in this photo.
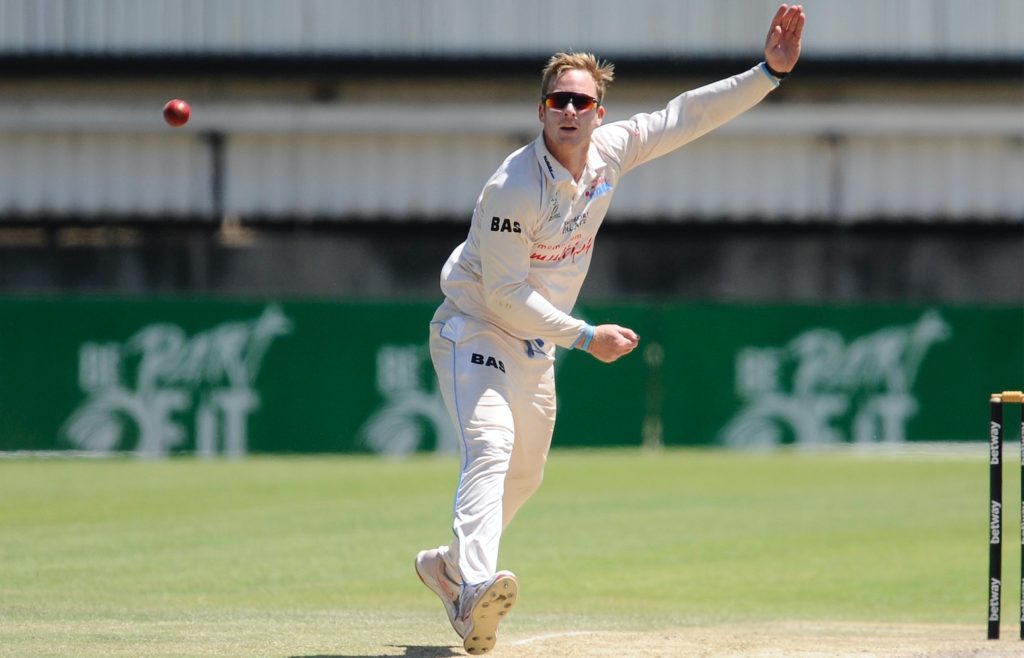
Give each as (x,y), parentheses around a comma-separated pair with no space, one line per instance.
(791,162)
(865,28)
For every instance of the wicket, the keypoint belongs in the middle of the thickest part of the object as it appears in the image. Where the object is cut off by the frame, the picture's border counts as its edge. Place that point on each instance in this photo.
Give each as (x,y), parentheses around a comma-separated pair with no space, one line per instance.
(995,476)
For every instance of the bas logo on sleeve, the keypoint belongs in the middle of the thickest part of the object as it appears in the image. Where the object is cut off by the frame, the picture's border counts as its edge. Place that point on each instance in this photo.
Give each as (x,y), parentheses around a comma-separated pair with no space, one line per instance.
(505,225)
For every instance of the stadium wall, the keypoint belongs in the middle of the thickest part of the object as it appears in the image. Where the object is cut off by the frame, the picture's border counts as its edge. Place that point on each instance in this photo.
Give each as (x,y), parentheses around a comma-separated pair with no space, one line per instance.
(909,262)
(411,151)
(411,28)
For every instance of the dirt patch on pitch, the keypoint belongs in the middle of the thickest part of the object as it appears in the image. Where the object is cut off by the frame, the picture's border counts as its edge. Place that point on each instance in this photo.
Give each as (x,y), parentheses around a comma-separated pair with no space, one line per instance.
(827,640)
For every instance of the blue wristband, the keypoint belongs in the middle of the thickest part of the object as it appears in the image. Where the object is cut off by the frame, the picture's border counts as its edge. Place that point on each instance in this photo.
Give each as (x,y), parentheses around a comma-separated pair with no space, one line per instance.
(587,334)
(774,76)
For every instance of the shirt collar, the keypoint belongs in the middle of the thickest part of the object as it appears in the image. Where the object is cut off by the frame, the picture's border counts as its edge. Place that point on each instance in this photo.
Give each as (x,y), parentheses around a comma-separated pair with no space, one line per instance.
(553,169)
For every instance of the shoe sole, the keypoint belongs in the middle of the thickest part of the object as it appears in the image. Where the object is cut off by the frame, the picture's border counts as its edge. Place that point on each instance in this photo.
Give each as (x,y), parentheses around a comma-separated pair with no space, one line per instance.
(496,602)
(451,614)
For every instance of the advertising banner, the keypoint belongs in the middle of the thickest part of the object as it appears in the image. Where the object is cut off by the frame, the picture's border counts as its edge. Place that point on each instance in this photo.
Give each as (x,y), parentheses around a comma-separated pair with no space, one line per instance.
(764,376)
(160,377)
(208,377)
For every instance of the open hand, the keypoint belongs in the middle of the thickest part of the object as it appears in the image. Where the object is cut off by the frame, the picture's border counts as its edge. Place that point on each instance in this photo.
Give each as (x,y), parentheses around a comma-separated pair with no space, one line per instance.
(782,47)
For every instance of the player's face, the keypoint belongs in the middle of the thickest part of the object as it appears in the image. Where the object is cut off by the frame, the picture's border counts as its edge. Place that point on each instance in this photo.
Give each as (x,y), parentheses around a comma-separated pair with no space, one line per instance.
(565,124)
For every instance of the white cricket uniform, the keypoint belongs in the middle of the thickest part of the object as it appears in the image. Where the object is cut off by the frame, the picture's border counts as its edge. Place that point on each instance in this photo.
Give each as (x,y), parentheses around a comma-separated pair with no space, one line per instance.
(509,291)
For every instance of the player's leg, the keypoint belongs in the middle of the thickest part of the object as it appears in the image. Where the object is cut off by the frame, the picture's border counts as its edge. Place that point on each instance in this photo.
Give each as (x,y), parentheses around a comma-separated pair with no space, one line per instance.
(436,567)
(474,371)
(532,400)
(473,364)
(534,408)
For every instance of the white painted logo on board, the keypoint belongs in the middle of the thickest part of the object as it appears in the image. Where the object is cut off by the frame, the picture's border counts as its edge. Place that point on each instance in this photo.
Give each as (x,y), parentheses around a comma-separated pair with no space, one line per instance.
(820,389)
(151,385)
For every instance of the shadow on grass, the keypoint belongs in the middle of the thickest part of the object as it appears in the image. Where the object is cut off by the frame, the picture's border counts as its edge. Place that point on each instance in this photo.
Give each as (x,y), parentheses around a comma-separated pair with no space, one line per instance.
(410,652)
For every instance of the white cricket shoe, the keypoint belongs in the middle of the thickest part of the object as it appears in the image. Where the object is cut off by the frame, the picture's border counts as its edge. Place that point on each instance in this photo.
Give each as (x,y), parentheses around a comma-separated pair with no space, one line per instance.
(481,607)
(431,570)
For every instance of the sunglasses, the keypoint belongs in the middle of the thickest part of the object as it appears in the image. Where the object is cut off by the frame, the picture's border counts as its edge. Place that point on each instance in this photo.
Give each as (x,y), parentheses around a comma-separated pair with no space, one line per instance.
(559,100)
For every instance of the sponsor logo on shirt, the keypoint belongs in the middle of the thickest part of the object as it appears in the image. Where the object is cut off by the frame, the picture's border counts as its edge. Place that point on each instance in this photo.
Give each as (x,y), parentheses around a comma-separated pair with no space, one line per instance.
(505,225)
(599,188)
(556,212)
(551,170)
(571,225)
(557,253)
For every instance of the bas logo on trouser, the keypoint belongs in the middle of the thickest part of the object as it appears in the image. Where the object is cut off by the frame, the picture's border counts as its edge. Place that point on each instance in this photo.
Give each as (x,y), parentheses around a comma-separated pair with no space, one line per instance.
(480,360)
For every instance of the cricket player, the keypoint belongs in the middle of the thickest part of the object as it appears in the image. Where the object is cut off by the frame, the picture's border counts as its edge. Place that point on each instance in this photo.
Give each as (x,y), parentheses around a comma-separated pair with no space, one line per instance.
(510,288)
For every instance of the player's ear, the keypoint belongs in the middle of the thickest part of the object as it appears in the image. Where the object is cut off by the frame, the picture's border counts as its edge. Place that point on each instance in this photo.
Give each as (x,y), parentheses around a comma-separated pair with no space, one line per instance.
(540,111)
(600,114)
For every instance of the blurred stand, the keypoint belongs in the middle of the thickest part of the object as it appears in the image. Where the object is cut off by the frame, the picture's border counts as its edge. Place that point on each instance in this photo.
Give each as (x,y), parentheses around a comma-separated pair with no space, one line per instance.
(731,262)
(336,149)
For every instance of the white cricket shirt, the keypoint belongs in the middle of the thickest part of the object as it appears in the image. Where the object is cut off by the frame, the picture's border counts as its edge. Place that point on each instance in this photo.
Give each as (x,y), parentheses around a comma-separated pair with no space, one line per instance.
(533,229)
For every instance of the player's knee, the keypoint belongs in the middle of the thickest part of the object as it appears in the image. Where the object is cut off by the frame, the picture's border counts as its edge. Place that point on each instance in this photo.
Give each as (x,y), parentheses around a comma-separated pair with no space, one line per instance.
(525,483)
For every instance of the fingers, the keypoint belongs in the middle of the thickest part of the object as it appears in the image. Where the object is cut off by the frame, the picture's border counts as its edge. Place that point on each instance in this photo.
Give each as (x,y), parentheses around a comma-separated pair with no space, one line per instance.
(612,341)
(798,27)
(792,20)
(777,19)
(789,18)
(782,47)
(629,335)
(626,341)
(787,22)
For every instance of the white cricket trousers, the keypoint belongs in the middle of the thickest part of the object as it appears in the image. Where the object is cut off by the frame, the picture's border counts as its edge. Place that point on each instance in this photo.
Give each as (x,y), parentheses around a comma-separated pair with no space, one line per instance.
(500,393)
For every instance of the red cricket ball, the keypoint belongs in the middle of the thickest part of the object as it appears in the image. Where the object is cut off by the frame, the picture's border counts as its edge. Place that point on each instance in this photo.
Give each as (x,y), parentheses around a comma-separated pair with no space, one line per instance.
(177,112)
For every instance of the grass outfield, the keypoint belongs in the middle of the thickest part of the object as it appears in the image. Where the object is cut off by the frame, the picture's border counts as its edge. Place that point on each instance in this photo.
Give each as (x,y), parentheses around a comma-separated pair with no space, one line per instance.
(312,556)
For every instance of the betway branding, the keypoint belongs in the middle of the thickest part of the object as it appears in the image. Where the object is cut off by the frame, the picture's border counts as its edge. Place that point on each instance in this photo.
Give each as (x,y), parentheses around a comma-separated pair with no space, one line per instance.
(995,525)
(995,432)
(993,599)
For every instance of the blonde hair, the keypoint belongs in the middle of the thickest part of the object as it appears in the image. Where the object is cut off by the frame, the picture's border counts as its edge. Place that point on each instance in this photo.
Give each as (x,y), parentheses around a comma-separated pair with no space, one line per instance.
(602,72)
